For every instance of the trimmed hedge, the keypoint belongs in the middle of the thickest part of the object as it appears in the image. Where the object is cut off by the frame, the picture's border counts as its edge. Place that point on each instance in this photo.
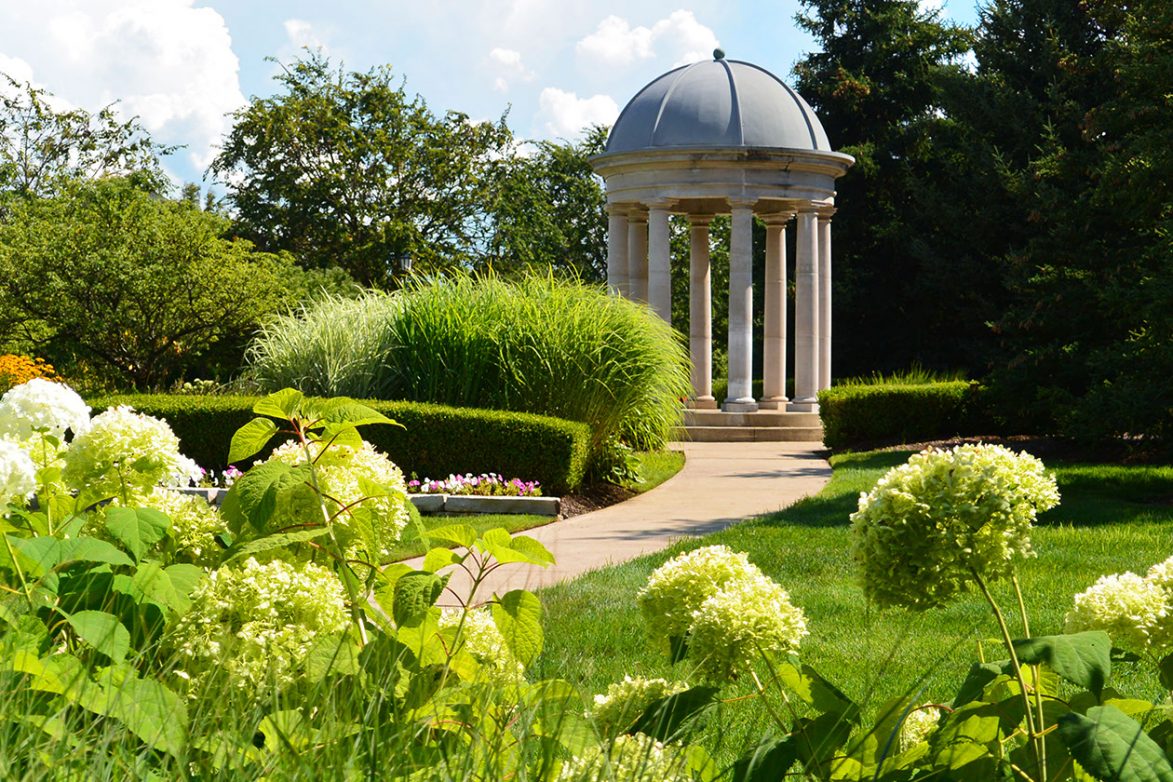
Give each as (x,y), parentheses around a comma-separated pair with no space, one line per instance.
(858,416)
(435,442)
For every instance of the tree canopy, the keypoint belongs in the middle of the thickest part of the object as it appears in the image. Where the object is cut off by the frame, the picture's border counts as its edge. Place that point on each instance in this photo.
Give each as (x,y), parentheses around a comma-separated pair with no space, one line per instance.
(346,169)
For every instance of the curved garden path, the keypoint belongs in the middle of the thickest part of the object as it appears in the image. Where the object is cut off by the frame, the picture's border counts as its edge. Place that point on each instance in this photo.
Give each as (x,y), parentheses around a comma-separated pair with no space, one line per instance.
(720,484)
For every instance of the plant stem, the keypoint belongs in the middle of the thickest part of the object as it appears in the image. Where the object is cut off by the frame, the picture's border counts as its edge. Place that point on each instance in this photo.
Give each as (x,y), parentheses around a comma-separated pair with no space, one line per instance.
(1042,717)
(1028,712)
(28,595)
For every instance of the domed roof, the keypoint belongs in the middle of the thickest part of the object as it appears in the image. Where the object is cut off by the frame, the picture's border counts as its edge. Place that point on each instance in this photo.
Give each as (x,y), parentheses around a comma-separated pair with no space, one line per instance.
(717,103)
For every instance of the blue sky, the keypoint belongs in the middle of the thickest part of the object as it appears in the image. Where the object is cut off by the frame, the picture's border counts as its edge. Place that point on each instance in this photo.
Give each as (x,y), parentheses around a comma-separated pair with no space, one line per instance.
(182,66)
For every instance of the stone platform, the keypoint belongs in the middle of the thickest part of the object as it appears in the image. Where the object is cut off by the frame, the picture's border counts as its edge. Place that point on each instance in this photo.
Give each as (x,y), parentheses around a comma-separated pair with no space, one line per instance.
(716,426)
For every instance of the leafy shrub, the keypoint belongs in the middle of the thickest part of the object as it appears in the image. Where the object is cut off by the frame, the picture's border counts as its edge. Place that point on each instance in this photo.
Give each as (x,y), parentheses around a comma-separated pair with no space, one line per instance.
(537,345)
(434,440)
(860,414)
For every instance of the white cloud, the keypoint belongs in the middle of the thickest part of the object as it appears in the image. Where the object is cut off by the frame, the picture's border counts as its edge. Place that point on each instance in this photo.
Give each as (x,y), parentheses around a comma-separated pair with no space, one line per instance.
(508,64)
(678,36)
(932,7)
(165,61)
(566,114)
(302,35)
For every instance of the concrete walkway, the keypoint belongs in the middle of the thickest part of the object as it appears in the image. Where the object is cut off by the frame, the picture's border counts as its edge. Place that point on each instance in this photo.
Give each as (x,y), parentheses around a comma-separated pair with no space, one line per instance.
(720,484)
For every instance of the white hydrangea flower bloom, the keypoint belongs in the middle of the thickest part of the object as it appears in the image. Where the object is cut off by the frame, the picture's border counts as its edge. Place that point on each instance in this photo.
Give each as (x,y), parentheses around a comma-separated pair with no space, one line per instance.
(194,523)
(42,405)
(483,641)
(678,587)
(258,622)
(743,619)
(18,474)
(124,451)
(1161,574)
(917,726)
(927,526)
(625,701)
(635,758)
(350,475)
(1131,609)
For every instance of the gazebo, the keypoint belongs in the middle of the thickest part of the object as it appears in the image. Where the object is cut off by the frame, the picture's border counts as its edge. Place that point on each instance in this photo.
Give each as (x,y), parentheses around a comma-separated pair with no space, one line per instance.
(727,137)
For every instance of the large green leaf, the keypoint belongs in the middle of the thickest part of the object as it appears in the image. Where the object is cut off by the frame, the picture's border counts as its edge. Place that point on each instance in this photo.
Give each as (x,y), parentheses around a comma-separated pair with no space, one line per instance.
(769,761)
(518,616)
(152,584)
(460,534)
(415,593)
(40,555)
(506,548)
(342,410)
(102,631)
(137,528)
(281,404)
(146,707)
(270,542)
(253,498)
(1084,659)
(251,438)
(812,688)
(664,717)
(980,675)
(1112,746)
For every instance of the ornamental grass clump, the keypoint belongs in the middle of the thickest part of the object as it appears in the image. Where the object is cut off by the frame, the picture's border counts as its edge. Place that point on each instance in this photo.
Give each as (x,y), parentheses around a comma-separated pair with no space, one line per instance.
(946,519)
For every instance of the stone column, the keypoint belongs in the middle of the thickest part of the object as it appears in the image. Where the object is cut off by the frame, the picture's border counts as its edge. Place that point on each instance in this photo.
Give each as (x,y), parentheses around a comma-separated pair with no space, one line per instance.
(617,282)
(740,398)
(659,261)
(774,345)
(700,313)
(637,254)
(825,298)
(806,313)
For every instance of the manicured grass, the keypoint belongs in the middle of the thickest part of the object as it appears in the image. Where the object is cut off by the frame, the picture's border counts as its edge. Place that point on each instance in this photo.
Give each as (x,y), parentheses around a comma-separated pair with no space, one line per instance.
(410,544)
(655,467)
(1112,519)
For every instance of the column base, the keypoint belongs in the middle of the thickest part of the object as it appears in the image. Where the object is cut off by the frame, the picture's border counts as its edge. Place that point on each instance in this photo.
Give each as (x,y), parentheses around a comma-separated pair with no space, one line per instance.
(744,405)
(703,403)
(773,403)
(803,406)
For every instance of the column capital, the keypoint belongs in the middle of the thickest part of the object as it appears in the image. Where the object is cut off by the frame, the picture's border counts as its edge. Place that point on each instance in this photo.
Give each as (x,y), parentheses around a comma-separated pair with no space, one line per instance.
(777,218)
(700,221)
(826,213)
(618,209)
(742,203)
(661,204)
(810,207)
(637,214)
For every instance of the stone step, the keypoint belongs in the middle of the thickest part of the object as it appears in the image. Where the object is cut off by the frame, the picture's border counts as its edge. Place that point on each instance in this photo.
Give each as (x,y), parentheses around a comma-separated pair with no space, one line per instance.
(758,419)
(749,434)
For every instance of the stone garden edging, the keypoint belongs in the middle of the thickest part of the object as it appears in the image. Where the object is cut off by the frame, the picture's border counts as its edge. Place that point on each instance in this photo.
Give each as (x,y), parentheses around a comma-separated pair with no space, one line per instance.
(444,503)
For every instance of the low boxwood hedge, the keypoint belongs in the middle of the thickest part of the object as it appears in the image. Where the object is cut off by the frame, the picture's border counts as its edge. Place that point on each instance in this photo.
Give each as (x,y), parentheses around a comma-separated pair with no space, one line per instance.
(434,441)
(868,415)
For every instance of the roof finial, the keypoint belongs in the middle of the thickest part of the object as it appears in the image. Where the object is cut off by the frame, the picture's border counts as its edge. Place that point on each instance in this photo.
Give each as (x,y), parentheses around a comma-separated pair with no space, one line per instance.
(718,54)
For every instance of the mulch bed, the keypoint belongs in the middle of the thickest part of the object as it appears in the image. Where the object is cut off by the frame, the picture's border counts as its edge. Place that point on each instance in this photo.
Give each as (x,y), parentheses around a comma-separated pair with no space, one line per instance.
(591,498)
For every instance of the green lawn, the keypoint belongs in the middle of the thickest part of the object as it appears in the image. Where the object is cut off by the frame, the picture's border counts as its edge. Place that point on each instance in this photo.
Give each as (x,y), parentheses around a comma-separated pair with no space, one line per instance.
(655,467)
(1112,518)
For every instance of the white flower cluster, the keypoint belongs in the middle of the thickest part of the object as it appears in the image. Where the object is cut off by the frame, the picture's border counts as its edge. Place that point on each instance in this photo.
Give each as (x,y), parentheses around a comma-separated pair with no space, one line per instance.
(123,451)
(916,727)
(258,622)
(18,474)
(347,476)
(1136,612)
(42,406)
(623,703)
(634,758)
(194,524)
(480,638)
(930,524)
(728,611)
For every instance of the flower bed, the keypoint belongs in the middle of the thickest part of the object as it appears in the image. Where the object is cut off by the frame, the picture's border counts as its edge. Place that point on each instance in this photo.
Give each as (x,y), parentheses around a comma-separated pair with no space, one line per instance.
(484,485)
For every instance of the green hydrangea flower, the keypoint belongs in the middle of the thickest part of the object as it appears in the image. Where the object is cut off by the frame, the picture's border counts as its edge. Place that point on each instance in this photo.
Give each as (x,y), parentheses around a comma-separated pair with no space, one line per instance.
(635,758)
(929,525)
(680,585)
(126,452)
(351,477)
(1130,609)
(743,619)
(623,703)
(194,524)
(257,623)
(484,643)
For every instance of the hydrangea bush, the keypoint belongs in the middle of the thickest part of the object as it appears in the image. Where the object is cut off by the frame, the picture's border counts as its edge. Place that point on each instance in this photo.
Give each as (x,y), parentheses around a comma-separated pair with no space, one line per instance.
(933,525)
(1136,611)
